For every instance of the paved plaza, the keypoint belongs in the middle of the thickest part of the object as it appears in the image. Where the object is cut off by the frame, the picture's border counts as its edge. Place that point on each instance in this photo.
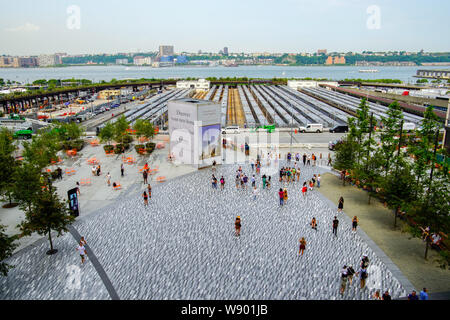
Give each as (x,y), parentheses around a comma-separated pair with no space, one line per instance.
(182,246)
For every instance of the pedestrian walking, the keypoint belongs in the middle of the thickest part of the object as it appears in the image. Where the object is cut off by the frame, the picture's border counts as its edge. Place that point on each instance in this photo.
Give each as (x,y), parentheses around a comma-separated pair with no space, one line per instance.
(264,177)
(59,170)
(318,181)
(302,246)
(81,251)
(343,280)
(304,189)
(145,196)
(253,181)
(268,182)
(376,295)
(314,223)
(255,192)
(341,204)
(238,181)
(304,159)
(386,296)
(214,166)
(335,226)
(222,182)
(308,160)
(145,176)
(245,179)
(252,163)
(99,171)
(350,273)
(122,169)
(83,241)
(362,277)
(423,295)
(214,182)
(364,262)
(237,226)
(413,296)
(329,160)
(94,170)
(281,196)
(354,223)
(285,196)
(108,179)
(149,188)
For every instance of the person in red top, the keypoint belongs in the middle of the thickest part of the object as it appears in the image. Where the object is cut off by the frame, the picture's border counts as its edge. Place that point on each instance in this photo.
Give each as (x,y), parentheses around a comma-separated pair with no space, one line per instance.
(304,189)
(281,195)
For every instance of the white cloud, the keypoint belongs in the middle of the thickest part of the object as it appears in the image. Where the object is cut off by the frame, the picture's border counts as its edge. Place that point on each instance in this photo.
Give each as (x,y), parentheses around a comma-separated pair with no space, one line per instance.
(27,27)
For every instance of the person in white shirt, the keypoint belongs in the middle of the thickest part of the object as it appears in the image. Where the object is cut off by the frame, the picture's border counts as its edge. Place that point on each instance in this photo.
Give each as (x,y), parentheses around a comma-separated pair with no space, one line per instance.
(82,251)
(255,192)
(108,179)
(318,181)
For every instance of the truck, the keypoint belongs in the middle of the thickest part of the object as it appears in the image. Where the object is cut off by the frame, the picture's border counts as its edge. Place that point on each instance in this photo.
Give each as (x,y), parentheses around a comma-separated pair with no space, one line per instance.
(312,127)
(23,134)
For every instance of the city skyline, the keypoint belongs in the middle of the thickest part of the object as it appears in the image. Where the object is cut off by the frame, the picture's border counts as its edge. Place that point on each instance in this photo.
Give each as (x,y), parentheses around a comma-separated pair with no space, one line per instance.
(80,27)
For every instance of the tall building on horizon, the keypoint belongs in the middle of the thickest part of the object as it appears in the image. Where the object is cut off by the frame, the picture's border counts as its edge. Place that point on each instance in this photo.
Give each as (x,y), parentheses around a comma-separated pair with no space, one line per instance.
(225,51)
(166,51)
(322,51)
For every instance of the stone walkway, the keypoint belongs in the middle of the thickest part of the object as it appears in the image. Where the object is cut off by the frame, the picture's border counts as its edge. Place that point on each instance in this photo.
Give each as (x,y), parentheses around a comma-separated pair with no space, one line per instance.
(377,221)
(182,246)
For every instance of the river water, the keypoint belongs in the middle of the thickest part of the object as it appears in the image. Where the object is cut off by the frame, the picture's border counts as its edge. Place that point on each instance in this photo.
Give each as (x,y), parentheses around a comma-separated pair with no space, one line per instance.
(98,73)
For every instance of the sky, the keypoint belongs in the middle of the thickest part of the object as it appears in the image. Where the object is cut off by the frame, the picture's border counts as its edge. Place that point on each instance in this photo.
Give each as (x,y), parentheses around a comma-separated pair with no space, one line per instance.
(31,27)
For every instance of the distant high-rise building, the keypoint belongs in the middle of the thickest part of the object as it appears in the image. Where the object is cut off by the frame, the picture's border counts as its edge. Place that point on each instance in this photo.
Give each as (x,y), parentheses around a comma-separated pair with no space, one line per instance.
(47,60)
(322,51)
(140,60)
(166,51)
(225,51)
(121,61)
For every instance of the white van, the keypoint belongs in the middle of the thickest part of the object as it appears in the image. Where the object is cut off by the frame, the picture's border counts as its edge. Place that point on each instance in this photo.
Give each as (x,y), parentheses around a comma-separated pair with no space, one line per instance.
(231,129)
(409,126)
(312,127)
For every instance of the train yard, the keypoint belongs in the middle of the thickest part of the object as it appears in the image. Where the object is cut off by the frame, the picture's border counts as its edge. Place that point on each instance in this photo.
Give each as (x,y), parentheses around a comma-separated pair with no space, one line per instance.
(248,106)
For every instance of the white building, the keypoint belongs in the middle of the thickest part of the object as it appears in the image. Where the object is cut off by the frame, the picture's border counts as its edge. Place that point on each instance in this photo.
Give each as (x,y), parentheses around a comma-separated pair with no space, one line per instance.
(200,84)
(47,60)
(121,61)
(295,84)
(140,61)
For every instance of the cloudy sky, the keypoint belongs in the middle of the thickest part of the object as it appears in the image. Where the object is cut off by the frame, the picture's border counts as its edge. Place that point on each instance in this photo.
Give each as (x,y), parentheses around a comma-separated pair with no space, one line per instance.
(95,26)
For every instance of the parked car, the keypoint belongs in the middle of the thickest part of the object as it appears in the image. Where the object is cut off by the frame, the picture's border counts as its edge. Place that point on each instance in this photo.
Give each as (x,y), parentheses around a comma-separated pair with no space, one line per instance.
(409,126)
(312,127)
(231,129)
(339,129)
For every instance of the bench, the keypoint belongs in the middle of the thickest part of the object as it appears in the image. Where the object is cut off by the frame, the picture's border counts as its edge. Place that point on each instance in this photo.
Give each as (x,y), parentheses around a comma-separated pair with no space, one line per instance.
(70,172)
(161,179)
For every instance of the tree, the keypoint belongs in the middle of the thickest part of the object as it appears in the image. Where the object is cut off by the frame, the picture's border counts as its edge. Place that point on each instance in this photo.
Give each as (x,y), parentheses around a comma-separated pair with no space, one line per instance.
(120,128)
(362,124)
(42,149)
(107,133)
(48,213)
(345,155)
(144,128)
(7,247)
(28,185)
(423,147)
(391,128)
(7,164)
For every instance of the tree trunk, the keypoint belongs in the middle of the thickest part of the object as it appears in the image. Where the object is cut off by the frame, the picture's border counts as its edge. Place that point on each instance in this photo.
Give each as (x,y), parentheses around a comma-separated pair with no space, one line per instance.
(50,238)
(395,217)
(426,248)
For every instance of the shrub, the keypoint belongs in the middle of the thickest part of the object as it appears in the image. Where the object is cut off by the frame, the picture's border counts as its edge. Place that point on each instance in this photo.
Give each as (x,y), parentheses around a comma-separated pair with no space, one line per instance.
(138,147)
(108,148)
(127,139)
